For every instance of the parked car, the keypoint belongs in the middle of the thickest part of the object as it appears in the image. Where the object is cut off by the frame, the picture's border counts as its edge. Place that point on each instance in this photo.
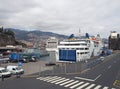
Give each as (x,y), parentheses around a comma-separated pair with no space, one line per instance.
(102,58)
(15,69)
(4,72)
(29,57)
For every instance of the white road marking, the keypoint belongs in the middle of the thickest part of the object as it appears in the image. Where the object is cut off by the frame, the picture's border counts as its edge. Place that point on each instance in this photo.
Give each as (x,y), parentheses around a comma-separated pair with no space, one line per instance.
(39,77)
(98,87)
(57,80)
(46,79)
(82,86)
(71,84)
(53,79)
(76,85)
(97,77)
(66,82)
(84,79)
(42,78)
(62,81)
(106,88)
(90,87)
(92,80)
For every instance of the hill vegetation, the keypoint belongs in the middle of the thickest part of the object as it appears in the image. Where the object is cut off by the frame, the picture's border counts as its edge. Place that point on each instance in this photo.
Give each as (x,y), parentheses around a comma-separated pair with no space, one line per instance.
(36,34)
(7,37)
(11,36)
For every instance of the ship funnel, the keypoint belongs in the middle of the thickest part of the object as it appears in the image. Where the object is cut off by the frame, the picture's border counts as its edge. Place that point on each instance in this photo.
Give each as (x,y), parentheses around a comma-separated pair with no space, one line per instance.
(87,35)
(71,36)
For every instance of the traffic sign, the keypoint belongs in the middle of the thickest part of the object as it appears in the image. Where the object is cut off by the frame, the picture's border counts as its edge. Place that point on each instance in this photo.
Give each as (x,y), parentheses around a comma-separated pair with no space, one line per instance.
(20,64)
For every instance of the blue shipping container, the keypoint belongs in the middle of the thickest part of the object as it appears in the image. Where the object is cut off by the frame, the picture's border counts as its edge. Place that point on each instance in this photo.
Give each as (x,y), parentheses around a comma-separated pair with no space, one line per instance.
(15,56)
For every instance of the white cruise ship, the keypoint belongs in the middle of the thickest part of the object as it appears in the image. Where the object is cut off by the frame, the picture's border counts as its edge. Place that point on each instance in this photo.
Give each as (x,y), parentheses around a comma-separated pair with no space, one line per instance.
(78,49)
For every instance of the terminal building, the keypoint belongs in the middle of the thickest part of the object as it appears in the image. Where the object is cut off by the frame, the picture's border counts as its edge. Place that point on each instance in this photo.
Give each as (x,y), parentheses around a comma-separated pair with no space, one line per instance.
(51,44)
(5,51)
(114,41)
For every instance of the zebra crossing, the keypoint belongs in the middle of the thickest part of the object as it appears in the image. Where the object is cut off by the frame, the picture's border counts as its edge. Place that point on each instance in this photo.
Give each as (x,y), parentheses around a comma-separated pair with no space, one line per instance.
(71,83)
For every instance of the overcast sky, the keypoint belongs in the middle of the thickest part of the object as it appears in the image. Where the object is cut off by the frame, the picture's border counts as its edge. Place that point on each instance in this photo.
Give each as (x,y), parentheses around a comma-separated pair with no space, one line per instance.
(62,16)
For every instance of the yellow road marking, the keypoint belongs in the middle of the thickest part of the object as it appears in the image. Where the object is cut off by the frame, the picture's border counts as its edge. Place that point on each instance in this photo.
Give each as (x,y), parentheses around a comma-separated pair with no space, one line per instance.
(117,83)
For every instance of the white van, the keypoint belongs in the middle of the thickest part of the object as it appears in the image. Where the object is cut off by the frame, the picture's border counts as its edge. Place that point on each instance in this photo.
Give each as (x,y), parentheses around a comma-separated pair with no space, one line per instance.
(4,72)
(15,69)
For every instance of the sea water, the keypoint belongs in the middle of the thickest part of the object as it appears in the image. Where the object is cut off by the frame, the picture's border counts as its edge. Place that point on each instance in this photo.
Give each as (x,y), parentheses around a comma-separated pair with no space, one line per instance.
(50,58)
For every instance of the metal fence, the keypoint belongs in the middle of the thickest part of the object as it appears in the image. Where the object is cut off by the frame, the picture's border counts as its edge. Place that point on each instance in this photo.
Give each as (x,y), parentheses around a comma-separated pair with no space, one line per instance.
(64,68)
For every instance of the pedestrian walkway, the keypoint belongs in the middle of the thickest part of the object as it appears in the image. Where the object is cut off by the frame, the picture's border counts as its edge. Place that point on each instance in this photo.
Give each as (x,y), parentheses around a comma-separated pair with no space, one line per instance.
(71,83)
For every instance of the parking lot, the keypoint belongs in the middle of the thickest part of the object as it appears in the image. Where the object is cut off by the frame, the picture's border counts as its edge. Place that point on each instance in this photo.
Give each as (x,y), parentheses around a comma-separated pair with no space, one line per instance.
(31,67)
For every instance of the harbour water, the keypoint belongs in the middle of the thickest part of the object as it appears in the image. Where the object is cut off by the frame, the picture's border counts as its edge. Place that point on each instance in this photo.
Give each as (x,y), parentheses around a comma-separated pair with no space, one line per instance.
(50,58)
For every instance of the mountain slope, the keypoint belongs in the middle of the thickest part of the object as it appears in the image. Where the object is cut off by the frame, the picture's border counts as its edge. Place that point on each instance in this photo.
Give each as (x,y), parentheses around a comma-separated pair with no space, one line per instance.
(32,35)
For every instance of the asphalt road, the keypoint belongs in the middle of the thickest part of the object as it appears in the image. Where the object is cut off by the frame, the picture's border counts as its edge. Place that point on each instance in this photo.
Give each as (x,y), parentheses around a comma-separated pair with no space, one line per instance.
(105,73)
(101,76)
(26,83)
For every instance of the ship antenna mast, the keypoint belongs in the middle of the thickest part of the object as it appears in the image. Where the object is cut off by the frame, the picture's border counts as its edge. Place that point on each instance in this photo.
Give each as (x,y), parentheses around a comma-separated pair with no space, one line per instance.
(79,32)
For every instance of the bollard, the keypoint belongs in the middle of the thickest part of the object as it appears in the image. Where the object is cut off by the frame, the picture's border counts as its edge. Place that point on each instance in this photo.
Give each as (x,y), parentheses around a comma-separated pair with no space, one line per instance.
(18,75)
(2,77)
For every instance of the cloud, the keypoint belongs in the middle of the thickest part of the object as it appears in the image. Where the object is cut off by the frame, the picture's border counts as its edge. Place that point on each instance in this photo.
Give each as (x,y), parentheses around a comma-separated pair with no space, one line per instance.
(62,16)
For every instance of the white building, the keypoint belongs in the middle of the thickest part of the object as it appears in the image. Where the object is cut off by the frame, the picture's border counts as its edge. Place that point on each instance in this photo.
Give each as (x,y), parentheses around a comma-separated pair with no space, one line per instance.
(51,44)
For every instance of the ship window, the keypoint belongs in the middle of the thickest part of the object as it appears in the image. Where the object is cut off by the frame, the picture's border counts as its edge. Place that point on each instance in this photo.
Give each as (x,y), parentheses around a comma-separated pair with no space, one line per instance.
(88,41)
(86,52)
(71,44)
(84,44)
(82,53)
(81,48)
(86,48)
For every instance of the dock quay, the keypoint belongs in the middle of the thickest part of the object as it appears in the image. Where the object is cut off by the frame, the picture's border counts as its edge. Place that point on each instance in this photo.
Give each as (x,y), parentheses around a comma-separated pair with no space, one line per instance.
(31,67)
(39,68)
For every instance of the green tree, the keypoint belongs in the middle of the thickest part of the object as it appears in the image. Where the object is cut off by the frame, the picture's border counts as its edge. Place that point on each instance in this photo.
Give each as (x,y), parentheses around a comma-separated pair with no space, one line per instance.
(9,32)
(1,29)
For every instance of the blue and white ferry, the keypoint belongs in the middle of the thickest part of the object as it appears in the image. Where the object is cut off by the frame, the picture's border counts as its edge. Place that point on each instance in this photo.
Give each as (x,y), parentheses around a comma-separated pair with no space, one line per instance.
(75,50)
